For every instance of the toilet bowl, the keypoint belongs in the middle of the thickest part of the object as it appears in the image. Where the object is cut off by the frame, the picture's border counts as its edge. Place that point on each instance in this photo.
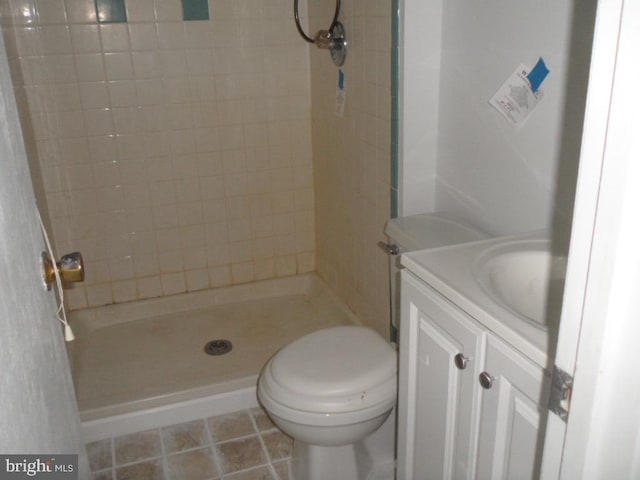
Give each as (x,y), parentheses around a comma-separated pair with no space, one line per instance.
(333,390)
(330,390)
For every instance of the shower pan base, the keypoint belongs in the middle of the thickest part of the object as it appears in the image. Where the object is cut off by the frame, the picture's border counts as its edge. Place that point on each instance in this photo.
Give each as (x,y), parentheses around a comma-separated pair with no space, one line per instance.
(147,355)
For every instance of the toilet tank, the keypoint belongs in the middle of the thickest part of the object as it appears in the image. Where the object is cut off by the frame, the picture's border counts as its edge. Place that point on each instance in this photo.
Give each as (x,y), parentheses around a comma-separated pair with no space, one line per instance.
(420,232)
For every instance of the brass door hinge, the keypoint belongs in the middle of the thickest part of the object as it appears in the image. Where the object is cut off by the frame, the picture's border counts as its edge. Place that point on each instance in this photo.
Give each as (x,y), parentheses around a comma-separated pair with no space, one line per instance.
(560,396)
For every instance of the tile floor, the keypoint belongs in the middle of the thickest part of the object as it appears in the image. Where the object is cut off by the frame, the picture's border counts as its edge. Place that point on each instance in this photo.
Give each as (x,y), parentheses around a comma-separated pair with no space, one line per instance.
(244,445)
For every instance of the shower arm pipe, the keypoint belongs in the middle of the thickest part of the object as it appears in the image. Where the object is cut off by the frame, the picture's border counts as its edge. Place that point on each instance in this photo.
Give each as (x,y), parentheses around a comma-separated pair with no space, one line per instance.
(334,40)
(306,37)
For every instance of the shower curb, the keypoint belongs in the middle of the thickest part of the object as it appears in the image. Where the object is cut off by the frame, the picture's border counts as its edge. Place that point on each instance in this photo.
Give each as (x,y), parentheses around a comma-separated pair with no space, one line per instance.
(180,412)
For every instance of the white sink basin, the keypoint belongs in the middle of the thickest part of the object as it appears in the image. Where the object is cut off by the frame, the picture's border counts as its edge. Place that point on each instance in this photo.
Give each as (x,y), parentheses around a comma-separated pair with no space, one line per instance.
(526,278)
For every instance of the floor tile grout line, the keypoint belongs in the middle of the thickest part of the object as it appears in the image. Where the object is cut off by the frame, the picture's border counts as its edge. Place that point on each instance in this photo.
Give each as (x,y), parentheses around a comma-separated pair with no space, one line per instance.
(264,447)
(235,439)
(140,460)
(248,469)
(212,446)
(109,470)
(143,460)
(112,446)
(274,428)
(188,450)
(163,450)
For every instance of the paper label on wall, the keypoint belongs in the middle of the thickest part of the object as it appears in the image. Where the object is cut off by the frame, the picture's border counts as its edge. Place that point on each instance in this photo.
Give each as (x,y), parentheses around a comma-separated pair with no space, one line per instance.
(515,100)
(341,93)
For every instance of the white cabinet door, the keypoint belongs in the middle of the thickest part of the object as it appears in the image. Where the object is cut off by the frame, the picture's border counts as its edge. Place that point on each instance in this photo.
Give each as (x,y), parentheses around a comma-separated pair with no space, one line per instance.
(513,415)
(438,408)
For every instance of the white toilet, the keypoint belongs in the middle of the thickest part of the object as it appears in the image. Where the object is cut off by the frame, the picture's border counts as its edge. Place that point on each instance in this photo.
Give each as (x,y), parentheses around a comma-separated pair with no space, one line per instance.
(332,390)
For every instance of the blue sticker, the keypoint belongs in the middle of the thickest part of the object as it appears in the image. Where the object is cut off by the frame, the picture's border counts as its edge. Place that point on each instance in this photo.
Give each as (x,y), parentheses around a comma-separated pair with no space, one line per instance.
(537,75)
(341,79)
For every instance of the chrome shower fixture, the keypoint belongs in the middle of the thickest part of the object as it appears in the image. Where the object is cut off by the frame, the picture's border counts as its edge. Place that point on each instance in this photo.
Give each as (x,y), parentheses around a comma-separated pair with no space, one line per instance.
(334,39)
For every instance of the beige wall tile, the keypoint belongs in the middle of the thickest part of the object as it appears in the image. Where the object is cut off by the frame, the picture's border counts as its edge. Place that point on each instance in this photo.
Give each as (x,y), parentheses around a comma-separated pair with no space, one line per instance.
(351,158)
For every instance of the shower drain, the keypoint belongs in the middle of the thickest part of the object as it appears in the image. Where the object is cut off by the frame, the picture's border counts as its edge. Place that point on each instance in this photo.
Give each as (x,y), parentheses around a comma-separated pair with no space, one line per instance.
(218,347)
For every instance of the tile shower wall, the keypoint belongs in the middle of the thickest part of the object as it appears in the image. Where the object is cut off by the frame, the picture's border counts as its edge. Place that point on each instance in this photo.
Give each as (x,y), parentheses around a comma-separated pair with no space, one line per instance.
(352,158)
(176,156)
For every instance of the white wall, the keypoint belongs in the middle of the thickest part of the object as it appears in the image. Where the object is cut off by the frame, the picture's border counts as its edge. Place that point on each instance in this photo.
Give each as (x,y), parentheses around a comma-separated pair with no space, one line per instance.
(420,47)
(498,178)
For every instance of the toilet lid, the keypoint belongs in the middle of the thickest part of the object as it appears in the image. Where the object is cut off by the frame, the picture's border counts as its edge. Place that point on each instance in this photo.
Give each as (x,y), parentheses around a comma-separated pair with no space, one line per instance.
(337,369)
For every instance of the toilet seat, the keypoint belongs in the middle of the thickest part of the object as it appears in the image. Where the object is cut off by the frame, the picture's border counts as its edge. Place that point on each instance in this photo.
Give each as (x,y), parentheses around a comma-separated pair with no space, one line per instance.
(339,371)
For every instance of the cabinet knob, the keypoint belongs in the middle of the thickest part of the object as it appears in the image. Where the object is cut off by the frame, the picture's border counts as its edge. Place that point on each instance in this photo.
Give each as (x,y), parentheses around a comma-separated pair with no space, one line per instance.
(486,380)
(461,361)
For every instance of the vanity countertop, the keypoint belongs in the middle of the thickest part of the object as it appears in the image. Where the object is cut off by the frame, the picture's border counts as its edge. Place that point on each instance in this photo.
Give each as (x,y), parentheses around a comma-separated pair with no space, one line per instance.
(452,271)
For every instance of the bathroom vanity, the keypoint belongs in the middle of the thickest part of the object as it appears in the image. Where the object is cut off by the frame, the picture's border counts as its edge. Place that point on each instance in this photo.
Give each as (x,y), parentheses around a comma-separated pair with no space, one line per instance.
(474,349)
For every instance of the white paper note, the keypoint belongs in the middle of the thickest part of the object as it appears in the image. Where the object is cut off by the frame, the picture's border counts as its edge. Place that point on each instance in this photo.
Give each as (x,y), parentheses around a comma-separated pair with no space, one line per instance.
(515,100)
